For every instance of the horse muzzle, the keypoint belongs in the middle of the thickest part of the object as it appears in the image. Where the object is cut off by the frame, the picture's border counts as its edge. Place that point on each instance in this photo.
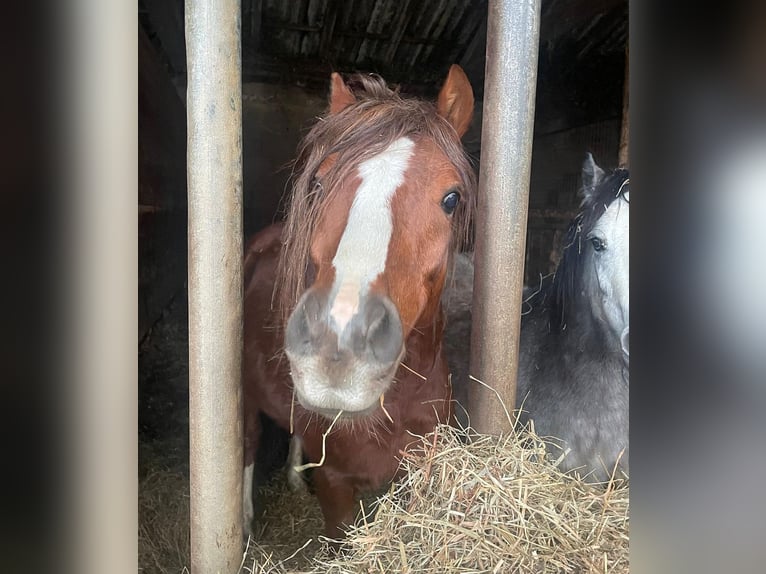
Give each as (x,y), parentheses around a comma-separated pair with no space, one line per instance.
(346,369)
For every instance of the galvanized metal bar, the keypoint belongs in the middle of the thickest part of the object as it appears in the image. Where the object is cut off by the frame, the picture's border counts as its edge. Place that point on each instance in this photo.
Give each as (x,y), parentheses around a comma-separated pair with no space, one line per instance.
(214,164)
(622,154)
(506,155)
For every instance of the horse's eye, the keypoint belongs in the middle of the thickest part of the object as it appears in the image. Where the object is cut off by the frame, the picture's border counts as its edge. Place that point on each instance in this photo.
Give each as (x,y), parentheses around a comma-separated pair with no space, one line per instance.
(316,184)
(450,202)
(598,244)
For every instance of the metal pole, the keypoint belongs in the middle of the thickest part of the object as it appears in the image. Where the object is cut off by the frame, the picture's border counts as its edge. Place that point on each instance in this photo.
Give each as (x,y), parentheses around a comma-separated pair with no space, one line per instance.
(506,154)
(622,154)
(214,164)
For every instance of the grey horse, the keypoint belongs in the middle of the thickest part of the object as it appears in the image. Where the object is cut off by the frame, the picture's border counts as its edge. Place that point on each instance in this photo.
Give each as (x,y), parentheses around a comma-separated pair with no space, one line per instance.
(573,379)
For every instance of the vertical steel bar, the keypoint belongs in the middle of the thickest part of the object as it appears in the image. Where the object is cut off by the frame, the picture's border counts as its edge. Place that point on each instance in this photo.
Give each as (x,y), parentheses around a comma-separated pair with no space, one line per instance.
(506,154)
(622,154)
(214,164)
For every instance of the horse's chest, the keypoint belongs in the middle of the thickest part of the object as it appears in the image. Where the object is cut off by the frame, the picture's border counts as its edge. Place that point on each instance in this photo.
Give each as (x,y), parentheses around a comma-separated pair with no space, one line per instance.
(369,457)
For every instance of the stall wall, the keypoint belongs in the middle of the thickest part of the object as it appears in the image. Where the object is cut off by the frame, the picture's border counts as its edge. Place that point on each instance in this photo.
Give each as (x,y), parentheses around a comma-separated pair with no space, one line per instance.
(274,118)
(554,199)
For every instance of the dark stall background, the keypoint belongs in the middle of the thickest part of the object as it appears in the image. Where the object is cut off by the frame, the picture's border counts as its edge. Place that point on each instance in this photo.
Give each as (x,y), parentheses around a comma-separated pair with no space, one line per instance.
(289,48)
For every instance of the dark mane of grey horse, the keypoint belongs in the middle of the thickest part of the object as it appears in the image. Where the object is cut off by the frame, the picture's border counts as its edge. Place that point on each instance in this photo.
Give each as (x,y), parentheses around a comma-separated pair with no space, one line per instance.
(558,292)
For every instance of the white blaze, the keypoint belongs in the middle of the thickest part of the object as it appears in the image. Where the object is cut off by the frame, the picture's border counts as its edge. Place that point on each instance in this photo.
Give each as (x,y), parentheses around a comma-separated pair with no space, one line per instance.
(363,248)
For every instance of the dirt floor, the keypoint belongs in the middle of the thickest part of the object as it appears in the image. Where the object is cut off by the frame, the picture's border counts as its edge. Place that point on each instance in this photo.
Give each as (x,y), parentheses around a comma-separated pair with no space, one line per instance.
(286,520)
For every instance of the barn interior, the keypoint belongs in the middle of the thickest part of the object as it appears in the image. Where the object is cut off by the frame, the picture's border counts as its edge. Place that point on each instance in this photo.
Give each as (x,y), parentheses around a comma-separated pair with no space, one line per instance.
(289,49)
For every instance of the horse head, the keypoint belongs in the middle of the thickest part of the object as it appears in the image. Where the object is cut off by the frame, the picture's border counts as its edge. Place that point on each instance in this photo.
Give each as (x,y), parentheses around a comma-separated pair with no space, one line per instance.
(604,245)
(383,191)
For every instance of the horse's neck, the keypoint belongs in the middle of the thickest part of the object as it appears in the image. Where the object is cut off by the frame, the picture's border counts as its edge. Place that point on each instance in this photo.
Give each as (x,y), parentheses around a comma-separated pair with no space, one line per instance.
(553,354)
(579,331)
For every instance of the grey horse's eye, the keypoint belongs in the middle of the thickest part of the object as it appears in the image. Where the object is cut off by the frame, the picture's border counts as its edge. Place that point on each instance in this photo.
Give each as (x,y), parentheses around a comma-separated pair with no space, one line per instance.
(598,243)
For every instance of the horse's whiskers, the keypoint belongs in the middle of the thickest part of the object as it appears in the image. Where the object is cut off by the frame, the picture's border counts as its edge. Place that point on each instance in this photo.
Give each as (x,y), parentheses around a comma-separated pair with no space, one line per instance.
(309,420)
(371,427)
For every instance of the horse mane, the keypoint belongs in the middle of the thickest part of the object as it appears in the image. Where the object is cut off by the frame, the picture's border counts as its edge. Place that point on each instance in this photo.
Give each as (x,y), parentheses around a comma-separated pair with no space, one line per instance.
(561,292)
(365,128)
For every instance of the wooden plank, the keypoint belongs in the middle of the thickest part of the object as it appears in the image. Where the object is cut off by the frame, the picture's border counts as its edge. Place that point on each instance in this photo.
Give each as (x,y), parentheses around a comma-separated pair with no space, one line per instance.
(400,25)
(328,29)
(622,155)
(162,132)
(256,21)
(161,186)
(565,17)
(473,55)
(315,75)
(167,19)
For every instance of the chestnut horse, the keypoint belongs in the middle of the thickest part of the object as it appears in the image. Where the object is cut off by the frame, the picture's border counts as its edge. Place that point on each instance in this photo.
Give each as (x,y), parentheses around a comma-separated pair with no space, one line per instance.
(343,320)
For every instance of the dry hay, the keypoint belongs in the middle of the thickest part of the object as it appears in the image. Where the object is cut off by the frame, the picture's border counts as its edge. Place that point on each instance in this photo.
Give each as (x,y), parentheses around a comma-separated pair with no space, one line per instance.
(492,505)
(286,536)
(163,525)
(286,530)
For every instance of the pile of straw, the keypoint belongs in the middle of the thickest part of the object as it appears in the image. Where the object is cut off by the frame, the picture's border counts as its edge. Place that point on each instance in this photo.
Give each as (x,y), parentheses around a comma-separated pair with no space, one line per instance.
(493,505)
(163,526)
(286,530)
(490,505)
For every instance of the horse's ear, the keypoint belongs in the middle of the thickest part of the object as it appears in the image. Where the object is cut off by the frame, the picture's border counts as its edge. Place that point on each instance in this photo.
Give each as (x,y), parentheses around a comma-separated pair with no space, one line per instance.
(340,96)
(592,175)
(455,102)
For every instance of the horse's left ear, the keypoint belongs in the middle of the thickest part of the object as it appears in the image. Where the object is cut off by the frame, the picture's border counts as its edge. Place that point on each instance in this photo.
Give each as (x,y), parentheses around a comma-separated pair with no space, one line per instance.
(340,96)
(455,102)
(592,175)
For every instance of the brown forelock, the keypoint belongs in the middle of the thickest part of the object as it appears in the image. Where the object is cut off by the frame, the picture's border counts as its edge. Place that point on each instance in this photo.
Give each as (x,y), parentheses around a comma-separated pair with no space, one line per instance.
(379,117)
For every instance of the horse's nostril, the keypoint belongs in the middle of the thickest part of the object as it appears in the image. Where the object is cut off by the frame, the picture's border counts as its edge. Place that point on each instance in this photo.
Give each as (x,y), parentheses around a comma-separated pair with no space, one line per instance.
(384,332)
(625,341)
(305,328)
(378,322)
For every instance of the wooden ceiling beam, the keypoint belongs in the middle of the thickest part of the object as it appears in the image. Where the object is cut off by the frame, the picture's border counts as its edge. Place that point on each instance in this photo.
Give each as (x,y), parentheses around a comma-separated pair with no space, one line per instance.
(564,17)
(256,20)
(312,74)
(328,29)
(400,25)
(167,21)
